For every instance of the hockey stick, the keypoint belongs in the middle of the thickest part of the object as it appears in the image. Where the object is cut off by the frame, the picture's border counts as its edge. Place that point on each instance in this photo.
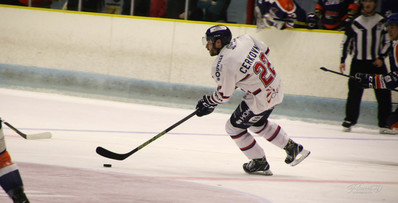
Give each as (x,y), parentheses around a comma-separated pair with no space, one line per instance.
(291,21)
(112,155)
(349,76)
(45,135)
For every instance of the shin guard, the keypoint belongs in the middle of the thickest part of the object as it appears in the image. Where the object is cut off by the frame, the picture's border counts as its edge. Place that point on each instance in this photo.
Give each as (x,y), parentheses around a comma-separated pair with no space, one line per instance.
(272,132)
(245,141)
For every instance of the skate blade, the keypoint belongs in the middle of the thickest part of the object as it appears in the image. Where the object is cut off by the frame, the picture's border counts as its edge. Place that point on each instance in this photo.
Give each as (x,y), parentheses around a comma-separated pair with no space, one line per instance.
(303,154)
(346,129)
(264,173)
(267,173)
(388,131)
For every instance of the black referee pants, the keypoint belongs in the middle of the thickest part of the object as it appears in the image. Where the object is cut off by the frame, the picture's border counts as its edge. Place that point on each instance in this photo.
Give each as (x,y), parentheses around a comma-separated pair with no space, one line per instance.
(355,93)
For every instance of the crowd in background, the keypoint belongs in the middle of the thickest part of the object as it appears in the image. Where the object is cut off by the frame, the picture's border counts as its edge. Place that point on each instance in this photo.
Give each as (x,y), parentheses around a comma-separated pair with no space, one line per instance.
(323,14)
(316,14)
(201,10)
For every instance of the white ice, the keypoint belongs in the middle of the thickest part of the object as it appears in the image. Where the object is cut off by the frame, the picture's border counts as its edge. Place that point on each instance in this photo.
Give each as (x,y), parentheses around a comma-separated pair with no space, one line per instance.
(361,166)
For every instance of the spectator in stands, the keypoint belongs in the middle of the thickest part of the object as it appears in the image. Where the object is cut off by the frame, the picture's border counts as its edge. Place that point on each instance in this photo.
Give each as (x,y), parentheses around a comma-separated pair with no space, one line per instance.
(112,6)
(141,7)
(280,14)
(214,10)
(333,15)
(35,3)
(158,8)
(176,10)
(87,5)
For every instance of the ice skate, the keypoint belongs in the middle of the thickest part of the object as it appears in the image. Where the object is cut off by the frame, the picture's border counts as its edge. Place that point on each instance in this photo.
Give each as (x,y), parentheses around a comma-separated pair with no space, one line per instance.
(18,195)
(295,153)
(347,126)
(388,131)
(258,166)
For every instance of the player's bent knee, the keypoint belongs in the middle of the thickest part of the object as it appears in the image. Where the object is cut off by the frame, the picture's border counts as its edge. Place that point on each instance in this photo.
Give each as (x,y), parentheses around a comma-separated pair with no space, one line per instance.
(232,130)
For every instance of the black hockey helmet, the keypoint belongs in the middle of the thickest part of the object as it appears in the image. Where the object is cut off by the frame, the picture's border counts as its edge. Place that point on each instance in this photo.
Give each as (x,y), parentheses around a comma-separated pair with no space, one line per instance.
(393,19)
(218,32)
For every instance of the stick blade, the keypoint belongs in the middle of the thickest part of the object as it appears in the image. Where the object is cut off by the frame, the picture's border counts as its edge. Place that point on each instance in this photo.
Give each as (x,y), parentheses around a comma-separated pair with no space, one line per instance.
(37,136)
(111,155)
(324,69)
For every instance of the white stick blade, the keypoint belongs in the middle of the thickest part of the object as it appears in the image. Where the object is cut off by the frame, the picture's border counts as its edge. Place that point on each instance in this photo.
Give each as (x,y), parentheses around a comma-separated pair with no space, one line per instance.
(45,135)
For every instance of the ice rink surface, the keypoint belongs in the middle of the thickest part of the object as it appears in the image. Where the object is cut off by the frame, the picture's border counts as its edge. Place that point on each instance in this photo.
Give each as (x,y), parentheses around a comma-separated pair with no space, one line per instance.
(196,162)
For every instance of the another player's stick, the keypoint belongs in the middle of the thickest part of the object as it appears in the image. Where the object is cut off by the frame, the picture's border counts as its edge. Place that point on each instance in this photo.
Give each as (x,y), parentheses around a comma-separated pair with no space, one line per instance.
(349,76)
(45,135)
(112,155)
(291,21)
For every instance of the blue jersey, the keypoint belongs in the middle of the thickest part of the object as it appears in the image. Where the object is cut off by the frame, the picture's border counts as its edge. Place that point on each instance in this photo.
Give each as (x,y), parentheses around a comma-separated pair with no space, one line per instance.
(283,10)
(393,56)
(390,80)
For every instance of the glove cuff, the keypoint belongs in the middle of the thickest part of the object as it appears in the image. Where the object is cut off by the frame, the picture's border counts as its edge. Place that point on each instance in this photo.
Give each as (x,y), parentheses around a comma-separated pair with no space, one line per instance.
(379,82)
(209,100)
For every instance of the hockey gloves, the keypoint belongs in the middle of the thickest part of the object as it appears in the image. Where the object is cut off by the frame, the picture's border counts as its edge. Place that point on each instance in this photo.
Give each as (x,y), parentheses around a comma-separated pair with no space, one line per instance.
(312,21)
(365,80)
(377,81)
(205,106)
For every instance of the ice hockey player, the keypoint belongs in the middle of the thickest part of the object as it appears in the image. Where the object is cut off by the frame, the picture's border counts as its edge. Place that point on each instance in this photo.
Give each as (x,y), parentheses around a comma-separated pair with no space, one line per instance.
(10,179)
(332,14)
(280,14)
(390,80)
(243,63)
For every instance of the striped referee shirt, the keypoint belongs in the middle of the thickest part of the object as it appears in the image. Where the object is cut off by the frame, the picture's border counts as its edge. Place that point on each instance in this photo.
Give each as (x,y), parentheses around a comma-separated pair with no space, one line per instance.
(366,38)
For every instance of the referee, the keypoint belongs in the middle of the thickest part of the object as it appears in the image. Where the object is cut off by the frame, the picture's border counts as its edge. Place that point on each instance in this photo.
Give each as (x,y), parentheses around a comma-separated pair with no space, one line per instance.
(367,40)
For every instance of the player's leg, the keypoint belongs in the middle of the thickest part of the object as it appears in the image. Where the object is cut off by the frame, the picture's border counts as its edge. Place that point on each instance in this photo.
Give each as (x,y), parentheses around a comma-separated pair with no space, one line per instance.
(273,133)
(383,98)
(10,179)
(392,120)
(353,104)
(236,127)
(355,92)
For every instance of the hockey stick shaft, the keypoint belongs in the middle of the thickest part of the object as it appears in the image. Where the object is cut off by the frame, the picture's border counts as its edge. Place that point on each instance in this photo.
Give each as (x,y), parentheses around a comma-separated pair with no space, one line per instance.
(112,155)
(16,130)
(349,76)
(291,21)
(45,135)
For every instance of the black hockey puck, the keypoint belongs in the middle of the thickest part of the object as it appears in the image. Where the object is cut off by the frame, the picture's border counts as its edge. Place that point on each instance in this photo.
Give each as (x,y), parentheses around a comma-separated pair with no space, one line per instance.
(107,165)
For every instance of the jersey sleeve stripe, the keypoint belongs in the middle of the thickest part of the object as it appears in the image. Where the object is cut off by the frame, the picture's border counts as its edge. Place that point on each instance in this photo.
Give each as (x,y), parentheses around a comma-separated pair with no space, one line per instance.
(257,91)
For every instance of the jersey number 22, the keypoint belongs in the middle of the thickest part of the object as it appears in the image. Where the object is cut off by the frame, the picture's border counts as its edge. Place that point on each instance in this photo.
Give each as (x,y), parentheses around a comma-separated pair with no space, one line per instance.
(265,70)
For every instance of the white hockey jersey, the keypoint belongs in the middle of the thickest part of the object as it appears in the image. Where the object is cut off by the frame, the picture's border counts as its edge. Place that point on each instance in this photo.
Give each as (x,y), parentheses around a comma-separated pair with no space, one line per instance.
(244,64)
